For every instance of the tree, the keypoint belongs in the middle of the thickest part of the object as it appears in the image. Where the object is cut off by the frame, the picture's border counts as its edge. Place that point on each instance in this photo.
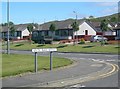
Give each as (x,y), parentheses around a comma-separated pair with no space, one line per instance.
(113,19)
(12,30)
(75,27)
(11,23)
(52,28)
(118,17)
(5,24)
(91,17)
(84,18)
(104,27)
(30,29)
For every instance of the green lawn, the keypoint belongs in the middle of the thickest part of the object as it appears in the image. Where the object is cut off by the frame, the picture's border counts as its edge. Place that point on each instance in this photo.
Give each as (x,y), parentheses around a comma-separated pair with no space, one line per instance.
(88,47)
(91,48)
(16,64)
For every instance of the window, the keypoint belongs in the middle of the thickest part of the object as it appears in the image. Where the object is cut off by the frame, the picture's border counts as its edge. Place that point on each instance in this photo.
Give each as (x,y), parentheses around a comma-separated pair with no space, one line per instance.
(35,34)
(70,32)
(46,33)
(18,33)
(118,33)
(64,32)
(100,36)
(57,32)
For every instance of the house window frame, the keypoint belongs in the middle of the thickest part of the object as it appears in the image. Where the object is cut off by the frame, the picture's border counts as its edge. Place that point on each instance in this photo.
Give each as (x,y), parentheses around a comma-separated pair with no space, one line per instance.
(57,32)
(35,34)
(46,33)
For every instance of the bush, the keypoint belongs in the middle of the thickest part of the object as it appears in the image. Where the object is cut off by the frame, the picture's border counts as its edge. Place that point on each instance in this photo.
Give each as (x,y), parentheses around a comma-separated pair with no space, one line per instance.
(105,42)
(82,41)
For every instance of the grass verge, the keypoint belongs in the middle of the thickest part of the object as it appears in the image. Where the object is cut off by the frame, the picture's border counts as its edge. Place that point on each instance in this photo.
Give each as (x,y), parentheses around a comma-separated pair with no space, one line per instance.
(15,64)
(88,47)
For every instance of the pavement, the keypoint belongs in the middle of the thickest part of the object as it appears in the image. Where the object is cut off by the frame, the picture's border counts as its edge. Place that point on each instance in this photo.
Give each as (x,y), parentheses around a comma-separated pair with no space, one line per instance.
(87,67)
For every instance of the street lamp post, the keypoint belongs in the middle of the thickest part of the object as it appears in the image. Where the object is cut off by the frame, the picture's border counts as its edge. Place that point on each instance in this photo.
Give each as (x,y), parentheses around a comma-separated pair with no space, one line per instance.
(75,20)
(8,44)
(75,15)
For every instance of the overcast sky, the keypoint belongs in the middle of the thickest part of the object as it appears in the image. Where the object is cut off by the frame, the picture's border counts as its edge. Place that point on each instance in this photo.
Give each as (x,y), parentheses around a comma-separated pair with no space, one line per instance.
(40,12)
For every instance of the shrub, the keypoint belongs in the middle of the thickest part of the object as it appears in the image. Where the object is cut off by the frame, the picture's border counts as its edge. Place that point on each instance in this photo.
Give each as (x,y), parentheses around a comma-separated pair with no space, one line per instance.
(82,41)
(105,42)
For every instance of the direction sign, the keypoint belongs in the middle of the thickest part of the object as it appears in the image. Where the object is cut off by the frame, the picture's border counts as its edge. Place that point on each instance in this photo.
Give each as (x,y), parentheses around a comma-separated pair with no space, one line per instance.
(44,50)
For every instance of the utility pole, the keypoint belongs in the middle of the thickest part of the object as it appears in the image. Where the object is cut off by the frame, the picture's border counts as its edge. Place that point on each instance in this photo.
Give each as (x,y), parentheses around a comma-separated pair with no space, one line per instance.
(75,21)
(8,44)
(75,15)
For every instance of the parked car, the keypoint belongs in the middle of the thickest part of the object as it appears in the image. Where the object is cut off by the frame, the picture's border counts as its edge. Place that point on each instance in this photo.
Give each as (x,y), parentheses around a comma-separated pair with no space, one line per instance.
(97,38)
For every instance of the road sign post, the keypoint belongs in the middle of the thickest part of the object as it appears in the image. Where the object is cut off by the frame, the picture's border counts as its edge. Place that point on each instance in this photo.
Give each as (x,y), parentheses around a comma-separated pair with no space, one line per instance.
(36,62)
(50,60)
(51,50)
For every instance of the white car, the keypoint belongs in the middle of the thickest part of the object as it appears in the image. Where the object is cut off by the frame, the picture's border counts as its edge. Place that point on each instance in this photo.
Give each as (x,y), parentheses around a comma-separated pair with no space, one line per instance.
(97,38)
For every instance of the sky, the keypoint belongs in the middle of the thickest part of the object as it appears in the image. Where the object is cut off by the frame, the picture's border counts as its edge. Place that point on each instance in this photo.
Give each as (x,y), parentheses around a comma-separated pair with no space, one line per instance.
(40,12)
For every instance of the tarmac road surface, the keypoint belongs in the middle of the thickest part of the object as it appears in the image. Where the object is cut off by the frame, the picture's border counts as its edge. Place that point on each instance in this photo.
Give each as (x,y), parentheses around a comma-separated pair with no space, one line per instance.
(89,70)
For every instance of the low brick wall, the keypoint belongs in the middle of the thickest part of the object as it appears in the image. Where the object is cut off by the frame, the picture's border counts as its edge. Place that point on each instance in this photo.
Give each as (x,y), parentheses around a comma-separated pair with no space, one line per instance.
(110,37)
(114,42)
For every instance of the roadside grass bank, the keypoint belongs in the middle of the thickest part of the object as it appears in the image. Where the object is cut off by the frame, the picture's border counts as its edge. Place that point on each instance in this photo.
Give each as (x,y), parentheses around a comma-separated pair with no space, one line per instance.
(87,47)
(15,64)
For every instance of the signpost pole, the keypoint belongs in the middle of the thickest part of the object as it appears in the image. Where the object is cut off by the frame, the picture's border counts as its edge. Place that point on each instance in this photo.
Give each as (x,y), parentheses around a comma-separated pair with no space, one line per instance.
(36,62)
(50,60)
(51,50)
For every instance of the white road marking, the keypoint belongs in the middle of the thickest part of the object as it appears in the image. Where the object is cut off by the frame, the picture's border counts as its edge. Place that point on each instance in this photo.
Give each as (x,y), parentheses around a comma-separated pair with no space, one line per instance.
(111,55)
(62,82)
(111,60)
(99,60)
(78,85)
(97,65)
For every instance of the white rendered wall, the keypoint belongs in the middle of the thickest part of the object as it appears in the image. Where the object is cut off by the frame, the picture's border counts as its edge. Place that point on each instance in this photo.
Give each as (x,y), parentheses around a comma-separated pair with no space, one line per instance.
(84,26)
(25,32)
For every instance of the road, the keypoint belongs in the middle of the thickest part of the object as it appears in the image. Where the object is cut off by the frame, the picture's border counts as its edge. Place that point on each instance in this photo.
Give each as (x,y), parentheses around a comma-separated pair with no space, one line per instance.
(103,67)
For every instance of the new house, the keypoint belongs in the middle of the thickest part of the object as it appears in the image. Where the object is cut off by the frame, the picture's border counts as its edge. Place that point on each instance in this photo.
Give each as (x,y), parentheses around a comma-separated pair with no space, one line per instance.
(21,31)
(110,33)
(65,31)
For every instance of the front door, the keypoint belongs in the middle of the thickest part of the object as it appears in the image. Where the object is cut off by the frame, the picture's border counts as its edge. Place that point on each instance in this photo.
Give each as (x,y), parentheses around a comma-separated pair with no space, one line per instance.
(86,32)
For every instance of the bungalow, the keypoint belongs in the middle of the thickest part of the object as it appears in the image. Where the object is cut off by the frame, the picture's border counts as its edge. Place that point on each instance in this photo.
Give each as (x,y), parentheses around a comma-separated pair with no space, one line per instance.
(65,31)
(21,31)
(110,34)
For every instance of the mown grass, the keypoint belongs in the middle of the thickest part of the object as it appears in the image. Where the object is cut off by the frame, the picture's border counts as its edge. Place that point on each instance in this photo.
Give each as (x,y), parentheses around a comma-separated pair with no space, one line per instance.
(88,47)
(91,49)
(14,64)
